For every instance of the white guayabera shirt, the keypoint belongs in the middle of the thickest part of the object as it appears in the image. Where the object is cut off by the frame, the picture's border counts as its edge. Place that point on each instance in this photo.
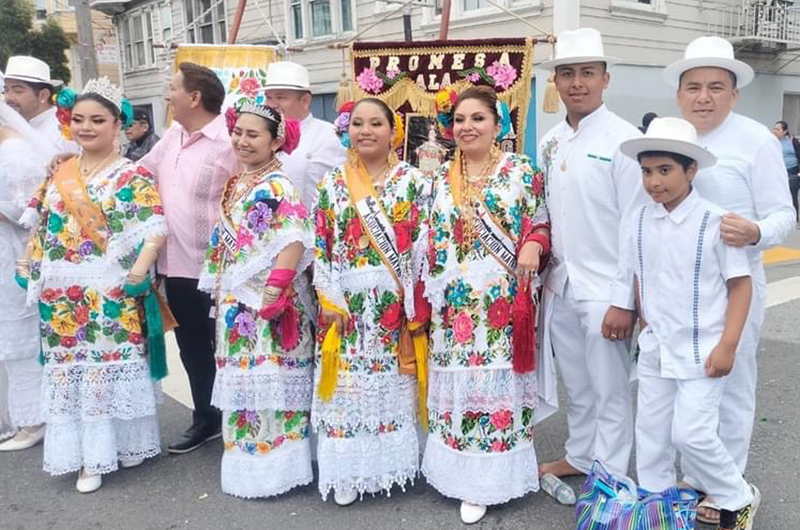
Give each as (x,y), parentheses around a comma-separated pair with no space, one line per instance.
(590,187)
(46,124)
(319,151)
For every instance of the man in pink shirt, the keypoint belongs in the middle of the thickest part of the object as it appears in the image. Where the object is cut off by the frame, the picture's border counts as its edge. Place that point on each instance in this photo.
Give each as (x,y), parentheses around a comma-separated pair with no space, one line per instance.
(191,164)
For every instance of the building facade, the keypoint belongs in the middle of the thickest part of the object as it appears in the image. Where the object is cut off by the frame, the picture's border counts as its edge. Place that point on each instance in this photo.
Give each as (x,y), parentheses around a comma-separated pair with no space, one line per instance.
(105,38)
(645,35)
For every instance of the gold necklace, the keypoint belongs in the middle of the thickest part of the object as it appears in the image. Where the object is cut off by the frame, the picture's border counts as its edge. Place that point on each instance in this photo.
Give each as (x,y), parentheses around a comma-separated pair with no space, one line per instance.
(237,187)
(472,196)
(90,172)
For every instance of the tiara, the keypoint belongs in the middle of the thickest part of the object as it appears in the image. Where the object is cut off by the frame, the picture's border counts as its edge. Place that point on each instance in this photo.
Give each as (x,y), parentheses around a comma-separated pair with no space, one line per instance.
(103,87)
(268,113)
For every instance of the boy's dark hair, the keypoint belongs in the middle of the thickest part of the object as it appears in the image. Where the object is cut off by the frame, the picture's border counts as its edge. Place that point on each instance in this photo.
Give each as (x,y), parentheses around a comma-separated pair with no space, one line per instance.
(684,161)
(201,79)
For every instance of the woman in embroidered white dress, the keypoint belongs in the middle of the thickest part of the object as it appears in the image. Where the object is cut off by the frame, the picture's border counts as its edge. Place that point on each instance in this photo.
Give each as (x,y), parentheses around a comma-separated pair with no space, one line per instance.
(260,247)
(482,390)
(98,225)
(23,162)
(366,394)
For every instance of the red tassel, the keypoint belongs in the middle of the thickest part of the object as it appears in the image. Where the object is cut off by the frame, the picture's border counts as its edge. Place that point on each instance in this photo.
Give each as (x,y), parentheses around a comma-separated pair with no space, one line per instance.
(524,340)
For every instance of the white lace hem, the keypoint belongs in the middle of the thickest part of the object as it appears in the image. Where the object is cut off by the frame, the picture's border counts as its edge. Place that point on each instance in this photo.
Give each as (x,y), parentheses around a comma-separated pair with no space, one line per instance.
(99,446)
(368,463)
(478,478)
(24,391)
(238,389)
(123,391)
(251,476)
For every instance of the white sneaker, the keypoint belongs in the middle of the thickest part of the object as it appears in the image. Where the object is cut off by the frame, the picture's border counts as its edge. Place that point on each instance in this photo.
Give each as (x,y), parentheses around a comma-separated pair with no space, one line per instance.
(23,440)
(345,498)
(127,464)
(88,483)
(472,513)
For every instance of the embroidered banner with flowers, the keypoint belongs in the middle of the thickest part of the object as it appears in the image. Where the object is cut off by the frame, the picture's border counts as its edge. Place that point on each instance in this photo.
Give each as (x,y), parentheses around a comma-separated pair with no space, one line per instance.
(407,75)
(241,68)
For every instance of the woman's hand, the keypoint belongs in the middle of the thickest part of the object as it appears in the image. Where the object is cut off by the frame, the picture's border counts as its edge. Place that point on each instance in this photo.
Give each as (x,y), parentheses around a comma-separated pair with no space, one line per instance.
(58,159)
(528,260)
(327,317)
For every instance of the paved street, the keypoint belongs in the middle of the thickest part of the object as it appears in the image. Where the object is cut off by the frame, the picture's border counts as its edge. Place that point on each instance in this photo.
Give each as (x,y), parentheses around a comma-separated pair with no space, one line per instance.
(176,492)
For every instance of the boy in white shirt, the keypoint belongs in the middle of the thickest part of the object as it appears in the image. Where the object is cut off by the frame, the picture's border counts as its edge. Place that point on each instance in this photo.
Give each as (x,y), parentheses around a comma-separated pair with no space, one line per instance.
(693,295)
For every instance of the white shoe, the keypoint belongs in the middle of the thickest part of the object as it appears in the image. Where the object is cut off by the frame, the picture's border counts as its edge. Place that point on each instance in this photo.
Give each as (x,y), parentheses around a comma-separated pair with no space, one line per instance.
(127,464)
(23,440)
(472,513)
(345,498)
(88,483)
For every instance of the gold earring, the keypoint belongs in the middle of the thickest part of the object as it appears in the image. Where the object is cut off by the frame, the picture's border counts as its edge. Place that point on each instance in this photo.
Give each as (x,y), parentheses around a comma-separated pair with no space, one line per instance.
(393,159)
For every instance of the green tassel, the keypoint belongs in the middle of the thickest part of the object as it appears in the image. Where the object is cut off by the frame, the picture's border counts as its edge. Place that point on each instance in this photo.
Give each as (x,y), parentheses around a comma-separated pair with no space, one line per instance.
(157,348)
(22,282)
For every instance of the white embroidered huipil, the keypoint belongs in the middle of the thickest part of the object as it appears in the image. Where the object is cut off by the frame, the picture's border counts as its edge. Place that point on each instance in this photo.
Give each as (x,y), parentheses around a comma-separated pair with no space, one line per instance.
(749,179)
(682,267)
(318,152)
(589,187)
(46,124)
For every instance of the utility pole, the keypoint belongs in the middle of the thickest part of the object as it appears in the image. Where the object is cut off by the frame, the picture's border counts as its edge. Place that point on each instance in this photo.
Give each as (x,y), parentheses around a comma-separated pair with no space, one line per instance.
(86,51)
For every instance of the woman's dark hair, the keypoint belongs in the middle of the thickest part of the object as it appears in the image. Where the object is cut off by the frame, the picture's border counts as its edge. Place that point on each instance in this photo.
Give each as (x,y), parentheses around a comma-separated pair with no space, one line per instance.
(483,94)
(110,107)
(783,124)
(684,161)
(198,78)
(388,113)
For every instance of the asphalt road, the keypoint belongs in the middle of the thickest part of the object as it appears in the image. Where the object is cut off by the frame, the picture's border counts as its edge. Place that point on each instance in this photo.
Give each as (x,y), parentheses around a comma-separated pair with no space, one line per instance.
(177,492)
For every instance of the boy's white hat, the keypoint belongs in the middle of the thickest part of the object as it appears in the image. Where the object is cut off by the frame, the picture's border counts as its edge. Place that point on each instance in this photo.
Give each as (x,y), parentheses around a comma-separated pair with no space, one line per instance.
(583,45)
(30,70)
(670,135)
(709,52)
(287,76)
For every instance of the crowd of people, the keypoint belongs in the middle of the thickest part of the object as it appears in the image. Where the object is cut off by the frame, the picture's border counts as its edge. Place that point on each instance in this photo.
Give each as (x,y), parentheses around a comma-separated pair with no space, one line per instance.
(320,283)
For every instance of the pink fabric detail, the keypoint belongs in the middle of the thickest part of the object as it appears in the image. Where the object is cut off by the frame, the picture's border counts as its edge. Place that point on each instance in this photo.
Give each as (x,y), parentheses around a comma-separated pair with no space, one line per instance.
(288,323)
(190,171)
(292,136)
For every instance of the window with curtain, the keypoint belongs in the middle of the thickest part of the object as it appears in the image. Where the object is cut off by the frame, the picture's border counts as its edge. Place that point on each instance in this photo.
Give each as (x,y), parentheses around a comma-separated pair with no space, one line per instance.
(296,9)
(151,51)
(138,40)
(166,23)
(127,43)
(188,9)
(321,22)
(211,27)
(221,27)
(347,15)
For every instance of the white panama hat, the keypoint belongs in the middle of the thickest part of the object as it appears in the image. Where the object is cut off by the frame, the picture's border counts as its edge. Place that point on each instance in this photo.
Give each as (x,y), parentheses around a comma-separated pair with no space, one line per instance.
(287,75)
(670,135)
(30,70)
(583,45)
(709,52)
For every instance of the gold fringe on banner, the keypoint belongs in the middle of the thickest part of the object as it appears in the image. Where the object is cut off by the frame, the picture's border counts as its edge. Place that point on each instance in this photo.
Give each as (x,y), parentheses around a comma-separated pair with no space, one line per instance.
(225,56)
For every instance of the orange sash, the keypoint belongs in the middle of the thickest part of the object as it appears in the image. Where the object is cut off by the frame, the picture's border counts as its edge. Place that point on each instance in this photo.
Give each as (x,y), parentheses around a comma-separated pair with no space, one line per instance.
(80,206)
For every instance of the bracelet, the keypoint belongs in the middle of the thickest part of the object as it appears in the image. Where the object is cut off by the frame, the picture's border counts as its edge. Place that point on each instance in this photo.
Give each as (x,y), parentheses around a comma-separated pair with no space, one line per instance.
(155,247)
(543,241)
(136,278)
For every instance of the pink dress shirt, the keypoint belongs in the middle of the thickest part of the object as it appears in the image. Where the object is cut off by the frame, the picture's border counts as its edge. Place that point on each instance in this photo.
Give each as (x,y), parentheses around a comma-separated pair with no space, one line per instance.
(190,171)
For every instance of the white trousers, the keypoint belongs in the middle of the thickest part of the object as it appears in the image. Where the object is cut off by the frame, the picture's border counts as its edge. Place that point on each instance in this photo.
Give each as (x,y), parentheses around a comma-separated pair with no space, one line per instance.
(24,391)
(683,414)
(596,374)
(5,419)
(737,410)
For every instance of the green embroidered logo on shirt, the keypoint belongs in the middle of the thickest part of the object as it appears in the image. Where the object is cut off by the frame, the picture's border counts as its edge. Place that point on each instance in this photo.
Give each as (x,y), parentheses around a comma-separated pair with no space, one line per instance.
(598,157)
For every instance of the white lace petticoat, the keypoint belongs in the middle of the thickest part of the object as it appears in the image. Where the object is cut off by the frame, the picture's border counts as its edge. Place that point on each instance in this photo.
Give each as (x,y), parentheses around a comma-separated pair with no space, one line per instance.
(251,476)
(368,463)
(98,446)
(480,478)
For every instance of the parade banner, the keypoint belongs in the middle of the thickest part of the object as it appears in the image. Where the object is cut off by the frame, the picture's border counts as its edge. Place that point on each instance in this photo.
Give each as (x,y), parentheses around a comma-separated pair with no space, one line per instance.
(241,68)
(407,76)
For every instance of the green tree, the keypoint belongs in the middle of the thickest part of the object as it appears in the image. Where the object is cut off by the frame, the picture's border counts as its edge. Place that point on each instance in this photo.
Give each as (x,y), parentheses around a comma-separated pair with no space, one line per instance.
(18,37)
(16,24)
(49,44)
